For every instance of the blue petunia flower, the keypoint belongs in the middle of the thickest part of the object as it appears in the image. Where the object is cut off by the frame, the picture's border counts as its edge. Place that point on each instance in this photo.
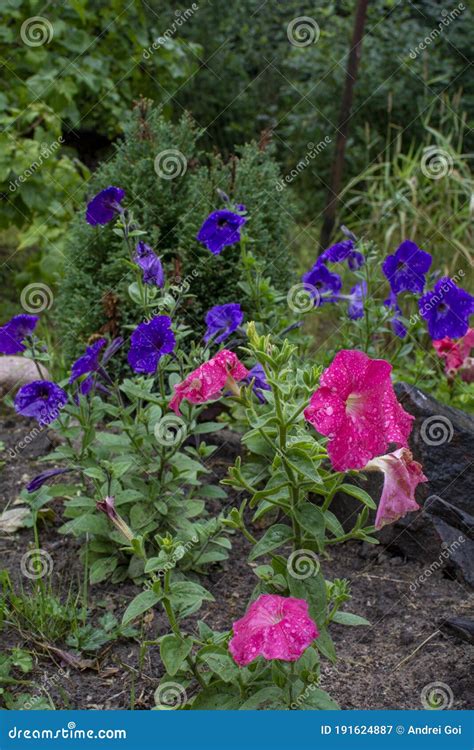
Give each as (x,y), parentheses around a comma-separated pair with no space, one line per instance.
(396,324)
(341,251)
(446,309)
(222,320)
(15,331)
(257,374)
(355,308)
(149,342)
(220,229)
(406,268)
(38,481)
(150,264)
(105,206)
(326,284)
(41,400)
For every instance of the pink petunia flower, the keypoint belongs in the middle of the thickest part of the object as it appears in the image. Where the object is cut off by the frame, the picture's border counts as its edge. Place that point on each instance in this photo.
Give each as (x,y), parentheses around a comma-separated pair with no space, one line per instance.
(356,407)
(402,475)
(275,627)
(209,380)
(457,356)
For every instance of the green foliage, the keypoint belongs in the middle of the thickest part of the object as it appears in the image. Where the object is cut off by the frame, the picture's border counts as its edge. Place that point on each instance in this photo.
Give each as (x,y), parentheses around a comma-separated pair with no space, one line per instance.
(422,192)
(71,74)
(93,293)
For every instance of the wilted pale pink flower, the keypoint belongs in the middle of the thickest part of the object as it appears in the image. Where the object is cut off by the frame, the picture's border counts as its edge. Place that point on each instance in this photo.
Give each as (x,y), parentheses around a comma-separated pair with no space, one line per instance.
(356,407)
(402,475)
(107,506)
(457,356)
(209,380)
(275,627)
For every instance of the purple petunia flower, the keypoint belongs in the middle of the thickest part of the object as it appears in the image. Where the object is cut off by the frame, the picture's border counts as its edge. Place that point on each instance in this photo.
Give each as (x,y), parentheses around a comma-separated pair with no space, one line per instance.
(15,331)
(40,479)
(341,251)
(221,228)
(446,309)
(149,342)
(406,268)
(355,308)
(89,362)
(41,400)
(104,206)
(222,320)
(257,374)
(397,326)
(326,284)
(150,264)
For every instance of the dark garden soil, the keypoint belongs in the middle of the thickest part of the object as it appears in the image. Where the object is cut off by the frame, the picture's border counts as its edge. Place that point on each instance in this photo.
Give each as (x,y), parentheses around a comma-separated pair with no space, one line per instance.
(385,666)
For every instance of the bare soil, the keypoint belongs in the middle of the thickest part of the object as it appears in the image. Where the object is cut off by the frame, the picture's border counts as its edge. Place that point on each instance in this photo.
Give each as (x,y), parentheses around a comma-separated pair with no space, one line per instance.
(385,666)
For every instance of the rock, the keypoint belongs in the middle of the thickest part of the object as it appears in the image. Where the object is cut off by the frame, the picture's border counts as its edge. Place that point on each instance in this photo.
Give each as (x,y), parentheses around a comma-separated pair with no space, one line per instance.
(17,371)
(442,440)
(461,627)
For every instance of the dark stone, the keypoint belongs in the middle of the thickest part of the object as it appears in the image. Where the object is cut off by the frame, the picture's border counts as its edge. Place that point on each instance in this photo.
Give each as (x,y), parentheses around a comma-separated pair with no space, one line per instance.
(461,627)
(442,440)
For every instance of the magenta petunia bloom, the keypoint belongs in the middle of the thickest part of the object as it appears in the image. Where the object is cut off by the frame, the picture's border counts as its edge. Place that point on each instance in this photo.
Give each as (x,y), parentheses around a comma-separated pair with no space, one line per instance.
(104,206)
(15,331)
(356,407)
(209,380)
(402,475)
(41,400)
(275,627)
(221,228)
(457,356)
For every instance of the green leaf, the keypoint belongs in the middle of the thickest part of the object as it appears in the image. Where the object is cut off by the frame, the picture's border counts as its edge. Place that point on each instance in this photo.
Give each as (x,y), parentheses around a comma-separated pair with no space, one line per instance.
(144,601)
(102,569)
(313,589)
(315,699)
(220,662)
(325,645)
(268,697)
(311,518)
(360,494)
(304,464)
(187,597)
(216,698)
(333,524)
(273,538)
(205,427)
(347,618)
(173,652)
